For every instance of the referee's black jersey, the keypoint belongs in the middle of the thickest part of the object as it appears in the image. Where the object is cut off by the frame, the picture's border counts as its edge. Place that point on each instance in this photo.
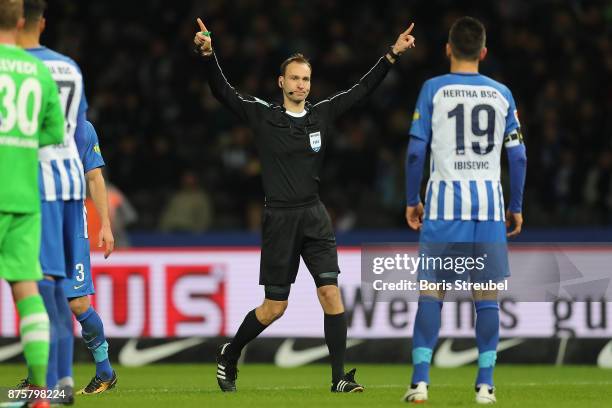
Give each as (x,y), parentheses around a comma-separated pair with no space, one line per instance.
(291,151)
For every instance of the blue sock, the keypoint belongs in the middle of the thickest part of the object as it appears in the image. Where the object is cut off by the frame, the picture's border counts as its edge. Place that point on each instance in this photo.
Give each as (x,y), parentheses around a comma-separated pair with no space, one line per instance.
(46,288)
(103,367)
(92,330)
(66,336)
(425,336)
(487,337)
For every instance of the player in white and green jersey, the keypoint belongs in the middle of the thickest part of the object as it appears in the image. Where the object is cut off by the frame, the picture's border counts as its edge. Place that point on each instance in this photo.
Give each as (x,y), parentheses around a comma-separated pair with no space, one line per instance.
(30,116)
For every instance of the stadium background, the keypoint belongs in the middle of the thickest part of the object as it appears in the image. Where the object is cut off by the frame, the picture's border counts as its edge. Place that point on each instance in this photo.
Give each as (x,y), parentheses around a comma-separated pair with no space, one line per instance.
(165,138)
(158,120)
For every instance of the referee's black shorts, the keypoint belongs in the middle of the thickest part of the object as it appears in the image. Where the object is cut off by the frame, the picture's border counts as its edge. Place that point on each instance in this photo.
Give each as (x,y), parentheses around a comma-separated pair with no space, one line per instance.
(288,233)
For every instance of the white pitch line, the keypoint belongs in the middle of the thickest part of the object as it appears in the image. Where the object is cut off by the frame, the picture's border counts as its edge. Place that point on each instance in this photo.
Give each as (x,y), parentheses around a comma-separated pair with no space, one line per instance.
(378,386)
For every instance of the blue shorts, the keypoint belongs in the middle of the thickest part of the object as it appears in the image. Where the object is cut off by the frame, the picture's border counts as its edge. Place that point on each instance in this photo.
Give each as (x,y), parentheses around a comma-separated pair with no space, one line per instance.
(64,249)
(482,241)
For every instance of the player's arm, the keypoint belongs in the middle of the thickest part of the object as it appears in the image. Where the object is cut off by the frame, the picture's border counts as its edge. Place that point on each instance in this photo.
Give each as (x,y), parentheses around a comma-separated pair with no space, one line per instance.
(99,196)
(52,128)
(91,156)
(344,100)
(420,137)
(517,165)
(415,161)
(241,105)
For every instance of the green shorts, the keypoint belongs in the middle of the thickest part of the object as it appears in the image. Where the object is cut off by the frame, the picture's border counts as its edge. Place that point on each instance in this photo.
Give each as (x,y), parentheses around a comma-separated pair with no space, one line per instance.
(20,247)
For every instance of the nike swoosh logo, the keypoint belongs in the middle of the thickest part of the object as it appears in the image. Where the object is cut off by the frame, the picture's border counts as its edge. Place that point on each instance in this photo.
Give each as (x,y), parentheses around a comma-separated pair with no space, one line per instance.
(446,357)
(10,351)
(130,356)
(604,360)
(287,357)
(78,287)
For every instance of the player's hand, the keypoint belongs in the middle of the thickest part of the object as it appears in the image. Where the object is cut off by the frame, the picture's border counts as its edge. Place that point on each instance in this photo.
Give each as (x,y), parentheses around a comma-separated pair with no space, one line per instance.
(515,219)
(106,239)
(404,41)
(414,216)
(203,43)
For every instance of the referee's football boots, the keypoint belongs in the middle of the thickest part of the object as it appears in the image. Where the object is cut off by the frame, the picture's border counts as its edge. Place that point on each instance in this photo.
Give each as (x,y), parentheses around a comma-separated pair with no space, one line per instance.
(347,383)
(227,370)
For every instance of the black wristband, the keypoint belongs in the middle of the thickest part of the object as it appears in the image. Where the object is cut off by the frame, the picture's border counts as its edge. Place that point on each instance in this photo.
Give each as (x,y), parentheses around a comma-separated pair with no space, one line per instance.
(394,55)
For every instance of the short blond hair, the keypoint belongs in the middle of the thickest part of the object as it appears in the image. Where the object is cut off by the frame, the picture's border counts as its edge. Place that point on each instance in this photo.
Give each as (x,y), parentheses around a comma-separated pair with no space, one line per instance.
(294,58)
(10,13)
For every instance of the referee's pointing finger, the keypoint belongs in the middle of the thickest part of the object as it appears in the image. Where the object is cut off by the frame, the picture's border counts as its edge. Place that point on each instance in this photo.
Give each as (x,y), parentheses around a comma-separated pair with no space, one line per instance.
(201,24)
(408,31)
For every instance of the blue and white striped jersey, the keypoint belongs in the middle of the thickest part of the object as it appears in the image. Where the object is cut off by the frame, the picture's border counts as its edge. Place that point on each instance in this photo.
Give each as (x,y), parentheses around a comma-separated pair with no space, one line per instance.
(464,119)
(60,169)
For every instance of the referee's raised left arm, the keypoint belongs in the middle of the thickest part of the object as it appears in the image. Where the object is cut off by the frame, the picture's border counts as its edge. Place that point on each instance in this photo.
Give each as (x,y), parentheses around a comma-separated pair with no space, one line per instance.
(344,100)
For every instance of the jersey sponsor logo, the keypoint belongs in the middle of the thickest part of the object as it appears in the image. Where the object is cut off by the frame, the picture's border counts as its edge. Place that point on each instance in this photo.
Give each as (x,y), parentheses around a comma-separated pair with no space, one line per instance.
(78,287)
(287,357)
(416,115)
(315,141)
(447,357)
(131,356)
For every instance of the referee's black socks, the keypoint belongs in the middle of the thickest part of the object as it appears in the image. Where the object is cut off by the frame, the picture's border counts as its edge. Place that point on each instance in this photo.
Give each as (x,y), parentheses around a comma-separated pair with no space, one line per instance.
(335,337)
(250,328)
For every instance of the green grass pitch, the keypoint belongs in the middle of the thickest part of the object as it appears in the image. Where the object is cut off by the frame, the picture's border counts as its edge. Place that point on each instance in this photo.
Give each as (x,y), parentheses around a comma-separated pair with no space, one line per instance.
(268,386)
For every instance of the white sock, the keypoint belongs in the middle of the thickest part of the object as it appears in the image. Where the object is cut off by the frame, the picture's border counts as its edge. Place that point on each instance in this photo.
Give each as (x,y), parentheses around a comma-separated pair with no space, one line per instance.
(66,381)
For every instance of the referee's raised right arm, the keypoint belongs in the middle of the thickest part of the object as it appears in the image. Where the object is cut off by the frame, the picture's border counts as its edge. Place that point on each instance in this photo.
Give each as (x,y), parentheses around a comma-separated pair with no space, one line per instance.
(240,104)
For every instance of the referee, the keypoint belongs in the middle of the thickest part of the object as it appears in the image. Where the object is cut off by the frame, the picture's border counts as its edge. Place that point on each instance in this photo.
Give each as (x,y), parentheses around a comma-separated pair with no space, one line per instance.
(291,139)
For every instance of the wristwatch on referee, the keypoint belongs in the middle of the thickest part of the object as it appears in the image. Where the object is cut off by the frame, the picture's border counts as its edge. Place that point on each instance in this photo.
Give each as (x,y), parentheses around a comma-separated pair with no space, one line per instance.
(393,55)
(198,50)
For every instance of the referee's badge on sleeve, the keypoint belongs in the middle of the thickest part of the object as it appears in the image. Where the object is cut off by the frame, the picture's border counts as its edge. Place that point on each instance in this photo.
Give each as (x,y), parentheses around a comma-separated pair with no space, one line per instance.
(315,141)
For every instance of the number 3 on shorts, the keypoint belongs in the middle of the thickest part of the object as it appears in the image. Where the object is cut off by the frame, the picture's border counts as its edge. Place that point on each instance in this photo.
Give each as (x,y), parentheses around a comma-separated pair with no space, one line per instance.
(81,272)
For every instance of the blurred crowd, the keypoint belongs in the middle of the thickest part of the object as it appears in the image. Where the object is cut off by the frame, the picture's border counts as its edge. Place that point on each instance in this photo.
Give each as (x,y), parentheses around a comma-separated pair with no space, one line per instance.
(187,164)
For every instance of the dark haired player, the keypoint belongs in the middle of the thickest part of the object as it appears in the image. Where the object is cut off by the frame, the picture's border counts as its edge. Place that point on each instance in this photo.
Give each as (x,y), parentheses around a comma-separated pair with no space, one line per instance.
(463,118)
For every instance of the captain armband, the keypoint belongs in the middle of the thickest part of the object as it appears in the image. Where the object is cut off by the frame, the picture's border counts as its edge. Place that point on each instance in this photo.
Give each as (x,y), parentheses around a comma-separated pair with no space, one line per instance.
(514,138)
